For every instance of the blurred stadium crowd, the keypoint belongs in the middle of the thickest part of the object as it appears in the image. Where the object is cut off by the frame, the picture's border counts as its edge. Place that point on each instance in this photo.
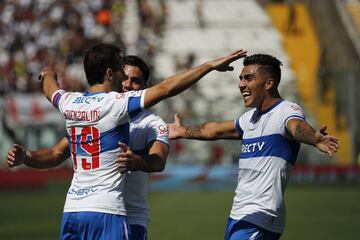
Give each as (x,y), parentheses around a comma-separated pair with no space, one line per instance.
(35,33)
(170,35)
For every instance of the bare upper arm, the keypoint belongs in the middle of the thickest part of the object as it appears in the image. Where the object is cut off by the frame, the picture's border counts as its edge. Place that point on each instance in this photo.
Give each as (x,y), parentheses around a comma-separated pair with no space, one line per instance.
(153,95)
(160,148)
(292,126)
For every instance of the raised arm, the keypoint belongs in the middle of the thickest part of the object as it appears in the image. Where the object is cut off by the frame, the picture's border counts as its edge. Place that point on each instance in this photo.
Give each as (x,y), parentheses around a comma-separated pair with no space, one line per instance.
(153,162)
(207,131)
(301,131)
(49,80)
(42,158)
(176,84)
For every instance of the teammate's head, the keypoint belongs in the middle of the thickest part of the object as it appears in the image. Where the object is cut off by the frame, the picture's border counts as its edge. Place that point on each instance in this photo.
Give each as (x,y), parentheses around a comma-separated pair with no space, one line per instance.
(269,65)
(259,79)
(104,62)
(137,73)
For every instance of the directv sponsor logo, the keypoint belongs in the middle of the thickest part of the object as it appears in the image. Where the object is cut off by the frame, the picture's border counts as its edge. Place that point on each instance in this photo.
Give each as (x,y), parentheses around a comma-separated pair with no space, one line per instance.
(81,192)
(87,100)
(252,147)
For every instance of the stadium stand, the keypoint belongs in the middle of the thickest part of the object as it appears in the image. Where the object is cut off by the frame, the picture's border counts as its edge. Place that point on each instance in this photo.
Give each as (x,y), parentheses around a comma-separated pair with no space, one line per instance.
(198,30)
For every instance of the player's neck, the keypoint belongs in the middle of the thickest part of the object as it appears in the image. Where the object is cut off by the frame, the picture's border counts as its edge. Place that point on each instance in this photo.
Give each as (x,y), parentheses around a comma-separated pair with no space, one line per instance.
(98,88)
(269,102)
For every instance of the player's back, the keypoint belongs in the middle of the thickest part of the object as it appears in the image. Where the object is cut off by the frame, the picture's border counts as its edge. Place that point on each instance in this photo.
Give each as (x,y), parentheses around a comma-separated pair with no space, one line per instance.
(96,123)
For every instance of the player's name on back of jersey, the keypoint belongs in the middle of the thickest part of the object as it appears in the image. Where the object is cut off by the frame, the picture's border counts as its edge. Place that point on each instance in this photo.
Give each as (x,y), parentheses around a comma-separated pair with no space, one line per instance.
(88,116)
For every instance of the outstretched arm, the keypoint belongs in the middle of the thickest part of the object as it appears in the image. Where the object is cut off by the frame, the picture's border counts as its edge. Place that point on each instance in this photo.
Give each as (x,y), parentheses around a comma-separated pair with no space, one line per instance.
(207,131)
(49,80)
(154,162)
(178,83)
(301,131)
(42,158)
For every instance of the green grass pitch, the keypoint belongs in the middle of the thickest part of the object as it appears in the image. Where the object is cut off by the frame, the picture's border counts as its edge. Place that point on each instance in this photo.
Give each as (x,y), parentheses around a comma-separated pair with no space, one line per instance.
(313,212)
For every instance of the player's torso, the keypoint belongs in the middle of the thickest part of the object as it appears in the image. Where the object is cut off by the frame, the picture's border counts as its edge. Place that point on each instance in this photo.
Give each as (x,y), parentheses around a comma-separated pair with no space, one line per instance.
(265,164)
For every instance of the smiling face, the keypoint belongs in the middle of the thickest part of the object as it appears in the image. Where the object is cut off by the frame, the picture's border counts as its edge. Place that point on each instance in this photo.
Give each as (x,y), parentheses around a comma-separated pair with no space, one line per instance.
(254,86)
(135,79)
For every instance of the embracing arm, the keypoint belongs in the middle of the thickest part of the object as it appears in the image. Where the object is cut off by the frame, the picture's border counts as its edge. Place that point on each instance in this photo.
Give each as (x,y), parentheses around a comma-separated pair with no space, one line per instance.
(207,131)
(153,162)
(176,84)
(301,131)
(42,158)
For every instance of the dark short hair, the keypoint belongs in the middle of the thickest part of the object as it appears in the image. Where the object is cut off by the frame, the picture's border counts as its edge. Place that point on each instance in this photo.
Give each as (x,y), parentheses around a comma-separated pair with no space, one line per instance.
(138,62)
(269,64)
(99,58)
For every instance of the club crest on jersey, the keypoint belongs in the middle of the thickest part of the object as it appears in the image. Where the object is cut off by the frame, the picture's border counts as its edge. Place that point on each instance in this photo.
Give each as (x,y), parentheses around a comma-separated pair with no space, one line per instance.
(120,95)
(162,129)
(295,108)
(87,100)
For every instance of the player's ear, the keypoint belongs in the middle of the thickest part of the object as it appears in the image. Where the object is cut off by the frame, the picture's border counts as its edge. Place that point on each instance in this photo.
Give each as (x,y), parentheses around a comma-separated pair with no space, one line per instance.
(109,74)
(269,83)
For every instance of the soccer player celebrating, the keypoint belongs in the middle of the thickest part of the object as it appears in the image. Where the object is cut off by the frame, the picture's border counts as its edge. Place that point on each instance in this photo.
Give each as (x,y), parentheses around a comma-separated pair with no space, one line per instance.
(271,134)
(96,121)
(148,138)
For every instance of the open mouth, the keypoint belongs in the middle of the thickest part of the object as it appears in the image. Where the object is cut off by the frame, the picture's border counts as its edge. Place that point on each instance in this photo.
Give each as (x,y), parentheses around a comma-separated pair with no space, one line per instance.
(246,95)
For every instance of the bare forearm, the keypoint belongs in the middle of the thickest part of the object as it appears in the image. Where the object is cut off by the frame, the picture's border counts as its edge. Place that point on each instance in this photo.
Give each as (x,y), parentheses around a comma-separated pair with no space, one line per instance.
(44,158)
(151,163)
(176,84)
(50,85)
(180,82)
(199,132)
(210,131)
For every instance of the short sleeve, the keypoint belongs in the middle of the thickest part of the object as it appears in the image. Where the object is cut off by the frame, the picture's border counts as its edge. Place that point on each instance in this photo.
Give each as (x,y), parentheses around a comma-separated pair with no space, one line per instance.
(293,111)
(157,131)
(57,99)
(127,105)
(135,102)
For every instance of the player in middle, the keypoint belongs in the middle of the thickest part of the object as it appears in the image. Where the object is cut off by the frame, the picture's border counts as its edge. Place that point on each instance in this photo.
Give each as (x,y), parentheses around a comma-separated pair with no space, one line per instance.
(148,137)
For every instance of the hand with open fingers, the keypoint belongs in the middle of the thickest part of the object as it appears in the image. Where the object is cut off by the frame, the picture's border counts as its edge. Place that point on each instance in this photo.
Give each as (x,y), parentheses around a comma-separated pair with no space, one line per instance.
(222,64)
(325,142)
(174,128)
(16,155)
(126,158)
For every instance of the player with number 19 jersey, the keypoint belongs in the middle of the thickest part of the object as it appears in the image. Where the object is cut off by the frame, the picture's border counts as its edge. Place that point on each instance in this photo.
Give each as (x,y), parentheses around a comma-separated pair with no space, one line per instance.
(95,124)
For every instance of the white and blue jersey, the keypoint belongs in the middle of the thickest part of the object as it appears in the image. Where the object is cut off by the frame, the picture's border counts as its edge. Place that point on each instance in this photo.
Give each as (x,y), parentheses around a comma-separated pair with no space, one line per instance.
(95,123)
(265,164)
(144,129)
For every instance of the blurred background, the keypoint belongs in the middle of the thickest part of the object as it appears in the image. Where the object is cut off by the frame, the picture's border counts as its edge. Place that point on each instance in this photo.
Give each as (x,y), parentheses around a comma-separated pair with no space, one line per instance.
(317,41)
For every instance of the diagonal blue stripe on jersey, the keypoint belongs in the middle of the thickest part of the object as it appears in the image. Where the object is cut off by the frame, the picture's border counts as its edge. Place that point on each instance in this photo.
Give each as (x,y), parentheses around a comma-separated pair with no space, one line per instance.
(108,140)
(134,106)
(272,145)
